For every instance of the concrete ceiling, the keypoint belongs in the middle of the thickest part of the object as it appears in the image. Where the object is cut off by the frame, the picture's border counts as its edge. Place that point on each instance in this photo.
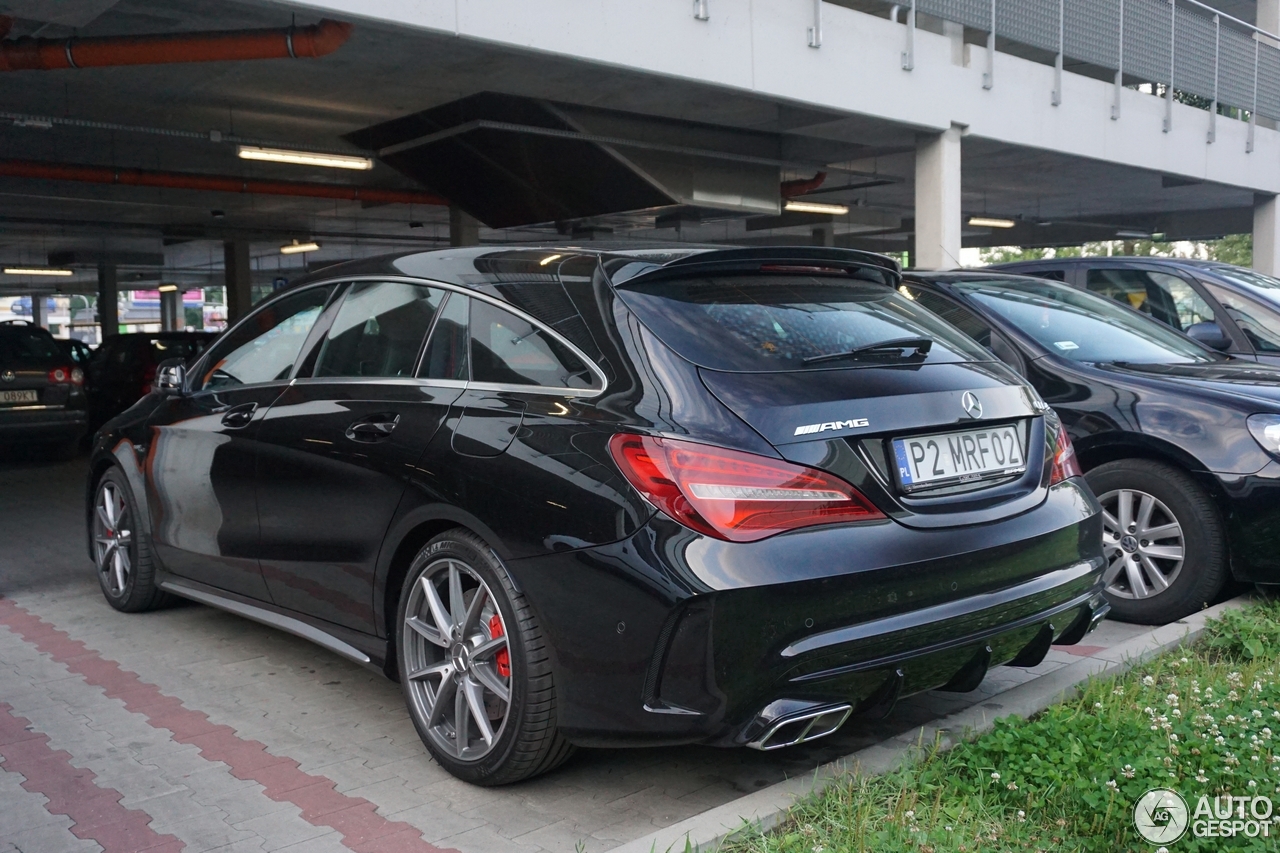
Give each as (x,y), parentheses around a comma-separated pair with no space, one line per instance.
(383,73)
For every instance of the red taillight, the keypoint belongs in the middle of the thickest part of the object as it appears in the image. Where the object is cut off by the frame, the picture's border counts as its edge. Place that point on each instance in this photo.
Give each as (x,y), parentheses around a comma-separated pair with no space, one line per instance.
(1065,463)
(66,375)
(731,495)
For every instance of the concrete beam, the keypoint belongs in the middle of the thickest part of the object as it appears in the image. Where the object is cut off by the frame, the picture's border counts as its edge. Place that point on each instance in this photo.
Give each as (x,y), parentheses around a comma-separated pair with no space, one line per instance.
(236,268)
(1266,235)
(938,211)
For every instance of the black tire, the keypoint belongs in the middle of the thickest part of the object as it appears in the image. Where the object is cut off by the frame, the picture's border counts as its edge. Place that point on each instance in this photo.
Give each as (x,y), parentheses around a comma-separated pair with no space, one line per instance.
(139,592)
(527,742)
(1204,567)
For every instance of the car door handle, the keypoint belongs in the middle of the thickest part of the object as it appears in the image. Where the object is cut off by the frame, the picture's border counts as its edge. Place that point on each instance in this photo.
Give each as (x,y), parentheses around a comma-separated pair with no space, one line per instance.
(373,428)
(238,417)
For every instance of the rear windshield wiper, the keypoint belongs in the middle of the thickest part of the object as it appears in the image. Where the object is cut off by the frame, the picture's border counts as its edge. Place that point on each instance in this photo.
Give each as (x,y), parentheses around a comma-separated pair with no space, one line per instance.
(920,345)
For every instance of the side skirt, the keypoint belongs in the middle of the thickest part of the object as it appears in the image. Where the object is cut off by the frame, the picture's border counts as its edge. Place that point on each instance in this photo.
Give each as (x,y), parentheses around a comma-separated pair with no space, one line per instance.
(362,649)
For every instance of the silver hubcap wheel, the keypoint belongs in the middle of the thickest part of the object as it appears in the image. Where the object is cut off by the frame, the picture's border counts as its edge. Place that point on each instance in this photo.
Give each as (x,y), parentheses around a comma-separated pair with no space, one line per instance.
(457,661)
(1143,543)
(112,537)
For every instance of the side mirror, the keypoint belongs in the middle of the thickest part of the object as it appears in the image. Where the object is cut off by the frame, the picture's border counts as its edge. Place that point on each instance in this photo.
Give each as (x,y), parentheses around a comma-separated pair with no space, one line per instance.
(171,377)
(1210,334)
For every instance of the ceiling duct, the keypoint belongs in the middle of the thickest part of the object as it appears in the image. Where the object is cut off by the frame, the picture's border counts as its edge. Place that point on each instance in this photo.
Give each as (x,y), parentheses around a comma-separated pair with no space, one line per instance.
(37,54)
(511,161)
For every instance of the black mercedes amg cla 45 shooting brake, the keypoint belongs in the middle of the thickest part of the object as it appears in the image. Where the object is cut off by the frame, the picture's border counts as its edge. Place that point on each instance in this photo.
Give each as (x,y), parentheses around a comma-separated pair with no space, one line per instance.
(609,498)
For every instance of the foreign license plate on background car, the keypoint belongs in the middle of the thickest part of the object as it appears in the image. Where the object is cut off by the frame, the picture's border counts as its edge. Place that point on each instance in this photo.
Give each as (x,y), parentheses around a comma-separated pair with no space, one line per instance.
(959,457)
(11,397)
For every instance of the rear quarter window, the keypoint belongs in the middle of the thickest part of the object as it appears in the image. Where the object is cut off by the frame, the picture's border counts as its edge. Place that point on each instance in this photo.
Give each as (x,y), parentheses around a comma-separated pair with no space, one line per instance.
(27,345)
(766,323)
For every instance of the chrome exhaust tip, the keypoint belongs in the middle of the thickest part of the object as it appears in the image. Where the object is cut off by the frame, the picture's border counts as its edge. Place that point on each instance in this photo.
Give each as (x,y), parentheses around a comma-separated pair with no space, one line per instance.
(798,728)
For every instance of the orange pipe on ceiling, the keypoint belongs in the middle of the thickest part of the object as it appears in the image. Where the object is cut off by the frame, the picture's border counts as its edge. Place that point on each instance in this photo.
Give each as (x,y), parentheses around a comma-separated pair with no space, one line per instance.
(33,54)
(209,183)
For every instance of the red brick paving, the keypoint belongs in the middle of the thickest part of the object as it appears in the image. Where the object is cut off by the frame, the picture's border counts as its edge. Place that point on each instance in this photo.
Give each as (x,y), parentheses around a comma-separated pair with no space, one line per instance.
(362,829)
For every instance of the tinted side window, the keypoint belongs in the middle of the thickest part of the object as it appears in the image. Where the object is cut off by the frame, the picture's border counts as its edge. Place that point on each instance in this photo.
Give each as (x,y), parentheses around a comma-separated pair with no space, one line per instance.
(1260,325)
(969,323)
(27,345)
(1167,298)
(508,350)
(379,330)
(265,348)
(446,356)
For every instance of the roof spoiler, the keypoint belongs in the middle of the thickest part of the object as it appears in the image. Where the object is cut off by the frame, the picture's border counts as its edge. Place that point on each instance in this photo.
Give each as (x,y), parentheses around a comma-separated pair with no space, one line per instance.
(758,259)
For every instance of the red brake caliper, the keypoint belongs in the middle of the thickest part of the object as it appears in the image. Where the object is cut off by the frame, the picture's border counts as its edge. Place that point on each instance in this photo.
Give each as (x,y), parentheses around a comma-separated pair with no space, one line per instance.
(502,660)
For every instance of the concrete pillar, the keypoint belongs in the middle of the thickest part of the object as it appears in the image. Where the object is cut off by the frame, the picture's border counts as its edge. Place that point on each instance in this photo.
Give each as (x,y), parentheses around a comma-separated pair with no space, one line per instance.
(108,301)
(171,319)
(464,229)
(39,314)
(938,211)
(825,234)
(1266,233)
(1269,16)
(235,255)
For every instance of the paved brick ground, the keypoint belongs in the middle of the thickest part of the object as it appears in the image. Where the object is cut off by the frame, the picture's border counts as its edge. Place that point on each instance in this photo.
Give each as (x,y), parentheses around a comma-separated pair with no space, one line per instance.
(189,729)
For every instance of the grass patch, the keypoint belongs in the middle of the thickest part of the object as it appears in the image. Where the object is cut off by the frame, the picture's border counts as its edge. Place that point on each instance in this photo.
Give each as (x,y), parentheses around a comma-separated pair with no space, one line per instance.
(1199,720)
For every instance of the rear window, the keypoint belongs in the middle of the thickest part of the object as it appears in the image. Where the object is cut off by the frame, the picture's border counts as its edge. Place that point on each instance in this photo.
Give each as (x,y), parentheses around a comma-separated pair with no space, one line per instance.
(764,323)
(27,345)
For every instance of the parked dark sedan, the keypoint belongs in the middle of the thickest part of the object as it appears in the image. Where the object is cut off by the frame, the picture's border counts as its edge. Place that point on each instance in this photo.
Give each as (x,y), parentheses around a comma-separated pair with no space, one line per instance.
(1179,442)
(1229,308)
(123,367)
(41,392)
(609,498)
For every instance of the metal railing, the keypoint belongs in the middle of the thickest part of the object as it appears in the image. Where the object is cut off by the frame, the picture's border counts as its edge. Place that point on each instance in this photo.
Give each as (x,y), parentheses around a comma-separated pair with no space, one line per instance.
(1183,46)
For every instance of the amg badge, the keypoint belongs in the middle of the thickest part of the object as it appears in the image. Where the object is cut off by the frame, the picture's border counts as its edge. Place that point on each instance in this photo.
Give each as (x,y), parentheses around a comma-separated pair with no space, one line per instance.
(810,429)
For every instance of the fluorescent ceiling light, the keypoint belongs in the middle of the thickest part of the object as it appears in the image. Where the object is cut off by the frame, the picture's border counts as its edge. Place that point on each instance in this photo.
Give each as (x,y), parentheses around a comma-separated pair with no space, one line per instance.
(304,158)
(295,247)
(1134,235)
(548,259)
(167,288)
(989,222)
(816,207)
(36,271)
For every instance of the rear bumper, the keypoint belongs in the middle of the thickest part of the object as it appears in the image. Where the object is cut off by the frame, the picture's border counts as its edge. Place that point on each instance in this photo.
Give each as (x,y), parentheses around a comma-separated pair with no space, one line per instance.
(42,425)
(700,637)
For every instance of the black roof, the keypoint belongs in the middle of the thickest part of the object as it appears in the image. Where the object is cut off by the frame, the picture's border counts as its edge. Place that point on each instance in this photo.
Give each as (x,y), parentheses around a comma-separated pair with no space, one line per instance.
(1120,259)
(477,266)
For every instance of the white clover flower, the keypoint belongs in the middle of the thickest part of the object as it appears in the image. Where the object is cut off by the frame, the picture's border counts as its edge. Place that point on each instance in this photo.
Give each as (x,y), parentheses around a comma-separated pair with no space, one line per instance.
(1201,778)
(1231,718)
(1112,784)
(1172,698)
(1012,786)
(995,777)
(910,814)
(1233,696)
(1128,772)
(1219,740)
(1173,737)
(1097,704)
(1252,784)
(1148,681)
(1176,712)
(1119,691)
(1256,714)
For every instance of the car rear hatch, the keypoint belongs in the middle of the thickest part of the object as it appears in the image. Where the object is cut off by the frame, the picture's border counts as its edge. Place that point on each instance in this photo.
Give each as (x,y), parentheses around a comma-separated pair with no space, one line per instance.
(28,358)
(840,372)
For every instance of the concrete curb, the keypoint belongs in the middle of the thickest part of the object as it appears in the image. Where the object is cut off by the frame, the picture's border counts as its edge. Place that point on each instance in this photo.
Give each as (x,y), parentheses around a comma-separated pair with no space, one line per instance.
(765,809)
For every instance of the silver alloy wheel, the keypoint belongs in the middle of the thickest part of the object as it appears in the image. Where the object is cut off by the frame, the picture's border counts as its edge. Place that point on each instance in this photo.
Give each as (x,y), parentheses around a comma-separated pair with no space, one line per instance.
(112,537)
(452,654)
(1143,543)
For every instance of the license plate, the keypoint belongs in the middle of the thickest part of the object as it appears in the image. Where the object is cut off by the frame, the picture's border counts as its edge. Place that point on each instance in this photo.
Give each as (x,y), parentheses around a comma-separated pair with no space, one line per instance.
(959,457)
(12,397)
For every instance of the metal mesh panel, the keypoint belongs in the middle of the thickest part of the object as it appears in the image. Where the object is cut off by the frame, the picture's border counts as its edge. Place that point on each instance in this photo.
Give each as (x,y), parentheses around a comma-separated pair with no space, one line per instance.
(971,13)
(1033,22)
(1193,54)
(1093,31)
(1092,34)
(1269,82)
(1235,69)
(1146,39)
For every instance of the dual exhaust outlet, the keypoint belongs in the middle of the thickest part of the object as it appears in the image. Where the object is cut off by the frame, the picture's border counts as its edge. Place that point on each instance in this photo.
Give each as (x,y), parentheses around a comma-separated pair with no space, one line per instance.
(780,727)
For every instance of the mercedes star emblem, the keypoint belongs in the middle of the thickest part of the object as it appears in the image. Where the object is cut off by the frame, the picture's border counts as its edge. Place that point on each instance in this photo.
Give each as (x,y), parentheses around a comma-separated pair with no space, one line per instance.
(971,404)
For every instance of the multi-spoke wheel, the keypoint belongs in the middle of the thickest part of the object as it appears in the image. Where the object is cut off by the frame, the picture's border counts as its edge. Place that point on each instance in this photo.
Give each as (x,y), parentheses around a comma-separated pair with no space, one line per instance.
(1143,542)
(473,666)
(457,664)
(1163,538)
(120,551)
